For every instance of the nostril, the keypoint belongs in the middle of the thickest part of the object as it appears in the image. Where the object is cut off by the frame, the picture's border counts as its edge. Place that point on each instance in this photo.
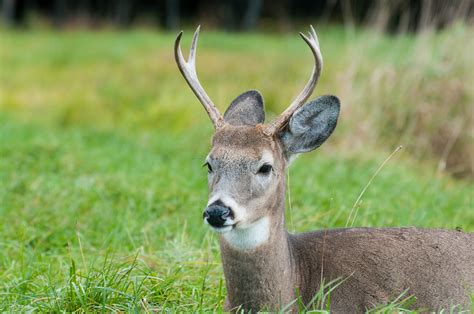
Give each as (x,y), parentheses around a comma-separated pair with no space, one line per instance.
(205,215)
(226,213)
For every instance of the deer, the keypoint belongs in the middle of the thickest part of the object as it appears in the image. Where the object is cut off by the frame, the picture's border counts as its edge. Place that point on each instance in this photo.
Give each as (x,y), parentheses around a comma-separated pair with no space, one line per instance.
(268,268)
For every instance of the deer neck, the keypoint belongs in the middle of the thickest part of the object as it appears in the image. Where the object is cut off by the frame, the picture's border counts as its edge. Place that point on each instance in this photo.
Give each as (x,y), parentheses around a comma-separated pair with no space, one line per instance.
(258,263)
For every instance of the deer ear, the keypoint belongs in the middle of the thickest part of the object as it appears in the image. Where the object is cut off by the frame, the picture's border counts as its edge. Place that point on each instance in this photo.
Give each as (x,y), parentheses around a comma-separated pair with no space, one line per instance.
(247,109)
(310,125)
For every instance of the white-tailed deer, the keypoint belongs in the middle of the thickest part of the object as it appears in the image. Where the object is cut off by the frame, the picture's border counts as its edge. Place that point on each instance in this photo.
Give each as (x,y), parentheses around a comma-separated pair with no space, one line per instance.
(266,267)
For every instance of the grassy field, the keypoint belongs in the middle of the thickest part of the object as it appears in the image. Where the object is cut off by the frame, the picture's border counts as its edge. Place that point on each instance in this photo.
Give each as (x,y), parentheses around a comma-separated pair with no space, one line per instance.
(102,144)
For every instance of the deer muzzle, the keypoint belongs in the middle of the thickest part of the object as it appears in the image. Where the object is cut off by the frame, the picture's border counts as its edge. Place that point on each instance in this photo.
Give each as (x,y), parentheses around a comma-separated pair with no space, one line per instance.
(217,214)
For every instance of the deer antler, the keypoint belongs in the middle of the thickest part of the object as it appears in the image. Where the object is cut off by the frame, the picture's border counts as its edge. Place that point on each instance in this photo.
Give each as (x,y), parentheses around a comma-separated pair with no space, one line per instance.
(282,119)
(188,70)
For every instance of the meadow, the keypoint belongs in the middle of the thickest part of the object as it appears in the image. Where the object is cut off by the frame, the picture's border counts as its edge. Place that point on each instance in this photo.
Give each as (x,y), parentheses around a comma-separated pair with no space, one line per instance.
(102,144)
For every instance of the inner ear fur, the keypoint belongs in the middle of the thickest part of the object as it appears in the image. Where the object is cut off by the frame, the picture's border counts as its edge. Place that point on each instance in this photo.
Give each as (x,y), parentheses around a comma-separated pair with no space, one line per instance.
(311,125)
(246,109)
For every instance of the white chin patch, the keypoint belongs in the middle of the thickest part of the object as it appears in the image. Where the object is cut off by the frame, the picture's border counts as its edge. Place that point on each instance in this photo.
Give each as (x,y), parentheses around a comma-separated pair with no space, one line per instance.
(249,237)
(221,230)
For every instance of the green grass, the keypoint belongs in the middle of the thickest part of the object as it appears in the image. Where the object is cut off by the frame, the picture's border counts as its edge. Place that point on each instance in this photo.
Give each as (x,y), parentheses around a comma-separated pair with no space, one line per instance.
(101,150)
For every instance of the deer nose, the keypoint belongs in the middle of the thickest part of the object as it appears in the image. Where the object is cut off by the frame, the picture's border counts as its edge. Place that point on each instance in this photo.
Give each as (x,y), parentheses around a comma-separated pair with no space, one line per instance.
(216,215)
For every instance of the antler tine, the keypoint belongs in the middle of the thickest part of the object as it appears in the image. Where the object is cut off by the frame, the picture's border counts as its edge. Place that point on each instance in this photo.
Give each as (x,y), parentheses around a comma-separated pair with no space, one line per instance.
(188,70)
(282,119)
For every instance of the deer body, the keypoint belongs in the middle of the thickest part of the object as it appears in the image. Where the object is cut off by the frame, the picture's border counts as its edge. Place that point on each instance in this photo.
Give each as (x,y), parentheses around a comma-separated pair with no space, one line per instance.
(266,268)
(269,276)
(377,265)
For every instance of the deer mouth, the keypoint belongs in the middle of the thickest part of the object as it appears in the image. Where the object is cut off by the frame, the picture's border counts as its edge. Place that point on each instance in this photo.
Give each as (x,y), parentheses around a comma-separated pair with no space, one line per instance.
(223,229)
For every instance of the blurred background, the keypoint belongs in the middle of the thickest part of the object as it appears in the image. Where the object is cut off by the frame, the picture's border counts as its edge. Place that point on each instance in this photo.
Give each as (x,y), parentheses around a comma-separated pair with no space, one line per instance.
(243,15)
(102,142)
(415,89)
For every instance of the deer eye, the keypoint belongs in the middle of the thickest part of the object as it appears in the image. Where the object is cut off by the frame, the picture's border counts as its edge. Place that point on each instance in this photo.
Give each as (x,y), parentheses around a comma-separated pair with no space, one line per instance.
(265,169)
(209,168)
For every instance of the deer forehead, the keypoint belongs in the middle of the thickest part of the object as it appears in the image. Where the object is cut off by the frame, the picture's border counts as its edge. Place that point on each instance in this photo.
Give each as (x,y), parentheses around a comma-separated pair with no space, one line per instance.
(244,143)
(243,159)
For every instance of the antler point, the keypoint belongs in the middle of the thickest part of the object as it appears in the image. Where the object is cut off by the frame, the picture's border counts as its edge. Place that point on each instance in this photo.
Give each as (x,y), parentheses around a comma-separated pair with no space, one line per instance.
(178,38)
(197,30)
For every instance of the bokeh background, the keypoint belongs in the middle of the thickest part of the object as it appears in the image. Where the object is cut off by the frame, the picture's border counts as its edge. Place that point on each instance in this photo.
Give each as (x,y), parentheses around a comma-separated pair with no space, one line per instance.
(102,142)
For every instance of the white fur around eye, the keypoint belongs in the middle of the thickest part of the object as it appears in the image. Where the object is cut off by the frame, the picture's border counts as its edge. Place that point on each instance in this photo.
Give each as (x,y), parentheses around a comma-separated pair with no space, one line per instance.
(267,157)
(264,180)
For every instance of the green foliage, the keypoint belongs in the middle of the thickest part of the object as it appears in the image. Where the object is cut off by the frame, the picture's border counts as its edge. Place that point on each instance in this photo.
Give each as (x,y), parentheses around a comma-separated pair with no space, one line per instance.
(102,143)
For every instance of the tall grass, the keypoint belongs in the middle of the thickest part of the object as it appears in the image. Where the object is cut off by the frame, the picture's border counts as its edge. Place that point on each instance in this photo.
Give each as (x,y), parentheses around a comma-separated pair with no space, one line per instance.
(417,92)
(413,91)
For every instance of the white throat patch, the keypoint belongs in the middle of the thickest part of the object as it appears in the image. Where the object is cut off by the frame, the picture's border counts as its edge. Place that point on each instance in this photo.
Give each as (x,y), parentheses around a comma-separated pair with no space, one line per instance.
(249,238)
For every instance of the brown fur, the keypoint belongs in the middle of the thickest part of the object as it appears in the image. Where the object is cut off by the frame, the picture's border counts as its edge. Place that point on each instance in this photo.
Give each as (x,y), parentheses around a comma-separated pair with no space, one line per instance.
(436,266)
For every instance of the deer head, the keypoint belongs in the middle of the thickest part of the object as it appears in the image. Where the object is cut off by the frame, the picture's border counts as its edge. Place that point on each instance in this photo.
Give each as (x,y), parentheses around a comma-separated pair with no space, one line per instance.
(247,162)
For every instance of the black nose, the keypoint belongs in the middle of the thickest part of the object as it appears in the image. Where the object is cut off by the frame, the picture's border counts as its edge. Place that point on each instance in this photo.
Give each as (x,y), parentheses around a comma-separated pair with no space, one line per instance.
(217,214)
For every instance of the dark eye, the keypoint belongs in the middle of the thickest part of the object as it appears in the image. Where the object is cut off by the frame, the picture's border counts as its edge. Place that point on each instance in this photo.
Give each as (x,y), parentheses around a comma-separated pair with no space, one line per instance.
(209,168)
(265,169)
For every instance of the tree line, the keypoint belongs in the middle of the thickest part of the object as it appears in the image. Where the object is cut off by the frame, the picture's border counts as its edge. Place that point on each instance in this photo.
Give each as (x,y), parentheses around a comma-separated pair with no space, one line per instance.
(242,15)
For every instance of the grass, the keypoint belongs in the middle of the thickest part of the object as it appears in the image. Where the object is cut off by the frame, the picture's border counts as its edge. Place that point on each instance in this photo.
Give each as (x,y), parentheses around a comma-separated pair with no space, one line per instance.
(101,147)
